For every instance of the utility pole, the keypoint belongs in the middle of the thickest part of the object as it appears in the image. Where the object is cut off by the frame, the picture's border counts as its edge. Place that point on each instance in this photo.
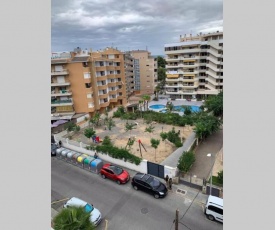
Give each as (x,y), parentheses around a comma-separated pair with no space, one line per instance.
(177,220)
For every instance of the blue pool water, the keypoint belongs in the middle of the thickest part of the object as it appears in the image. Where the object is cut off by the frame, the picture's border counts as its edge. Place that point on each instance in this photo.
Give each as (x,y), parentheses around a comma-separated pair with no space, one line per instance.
(194,108)
(158,106)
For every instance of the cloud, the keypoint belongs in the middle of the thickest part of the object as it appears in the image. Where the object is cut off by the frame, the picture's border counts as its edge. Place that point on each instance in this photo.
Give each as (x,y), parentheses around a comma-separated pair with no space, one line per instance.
(125,23)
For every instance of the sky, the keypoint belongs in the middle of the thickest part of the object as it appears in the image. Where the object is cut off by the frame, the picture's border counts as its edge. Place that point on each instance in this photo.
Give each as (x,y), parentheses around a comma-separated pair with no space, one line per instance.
(129,24)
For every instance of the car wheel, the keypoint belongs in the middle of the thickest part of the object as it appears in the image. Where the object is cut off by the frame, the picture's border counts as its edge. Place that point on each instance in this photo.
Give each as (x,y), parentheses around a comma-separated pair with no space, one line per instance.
(118,182)
(103,176)
(135,187)
(210,217)
(156,196)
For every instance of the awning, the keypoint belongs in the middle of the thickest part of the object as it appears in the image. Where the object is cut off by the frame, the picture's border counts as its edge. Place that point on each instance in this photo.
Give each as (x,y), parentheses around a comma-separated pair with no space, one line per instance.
(172,75)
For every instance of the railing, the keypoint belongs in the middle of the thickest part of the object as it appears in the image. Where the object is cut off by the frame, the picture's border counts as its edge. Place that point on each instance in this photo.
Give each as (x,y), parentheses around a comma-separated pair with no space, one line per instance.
(61,101)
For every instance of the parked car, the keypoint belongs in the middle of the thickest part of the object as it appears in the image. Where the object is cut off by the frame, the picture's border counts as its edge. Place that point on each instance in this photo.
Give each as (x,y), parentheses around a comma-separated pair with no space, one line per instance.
(95,217)
(54,147)
(149,184)
(115,173)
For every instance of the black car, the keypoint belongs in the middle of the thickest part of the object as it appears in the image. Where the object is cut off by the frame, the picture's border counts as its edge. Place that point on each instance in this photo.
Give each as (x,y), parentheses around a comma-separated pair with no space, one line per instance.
(54,147)
(149,184)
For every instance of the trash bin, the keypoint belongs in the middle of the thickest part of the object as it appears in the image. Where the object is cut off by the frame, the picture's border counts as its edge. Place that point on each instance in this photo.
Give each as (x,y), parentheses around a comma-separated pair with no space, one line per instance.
(69,157)
(74,158)
(80,159)
(96,165)
(58,152)
(64,154)
(87,162)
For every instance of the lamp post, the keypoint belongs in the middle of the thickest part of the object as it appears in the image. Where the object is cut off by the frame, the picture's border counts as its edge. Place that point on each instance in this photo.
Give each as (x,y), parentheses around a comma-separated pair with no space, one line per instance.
(210,155)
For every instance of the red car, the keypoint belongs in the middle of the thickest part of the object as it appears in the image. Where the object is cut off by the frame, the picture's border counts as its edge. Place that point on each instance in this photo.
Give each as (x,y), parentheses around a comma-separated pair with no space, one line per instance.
(115,173)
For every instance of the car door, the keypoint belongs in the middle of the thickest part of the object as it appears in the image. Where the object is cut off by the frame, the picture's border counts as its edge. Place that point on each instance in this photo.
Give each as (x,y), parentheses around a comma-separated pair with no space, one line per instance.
(146,187)
(110,174)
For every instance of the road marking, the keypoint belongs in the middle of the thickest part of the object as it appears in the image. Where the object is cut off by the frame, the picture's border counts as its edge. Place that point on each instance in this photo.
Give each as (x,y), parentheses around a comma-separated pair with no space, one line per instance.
(106,224)
(57,201)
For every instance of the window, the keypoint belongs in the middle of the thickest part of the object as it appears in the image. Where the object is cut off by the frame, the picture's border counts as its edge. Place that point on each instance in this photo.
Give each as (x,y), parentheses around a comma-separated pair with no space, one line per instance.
(89,95)
(90,105)
(87,75)
(88,85)
(215,209)
(85,64)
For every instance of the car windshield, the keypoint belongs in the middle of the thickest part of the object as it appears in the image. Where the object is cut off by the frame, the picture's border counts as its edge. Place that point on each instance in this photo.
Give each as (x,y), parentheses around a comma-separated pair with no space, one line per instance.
(88,208)
(153,182)
(116,170)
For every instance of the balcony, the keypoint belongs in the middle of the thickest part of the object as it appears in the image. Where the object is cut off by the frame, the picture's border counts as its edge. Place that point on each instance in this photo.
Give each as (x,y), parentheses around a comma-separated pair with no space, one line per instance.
(60,84)
(55,103)
(113,99)
(104,104)
(57,73)
(171,66)
(183,51)
(101,78)
(101,87)
(172,59)
(103,95)
(61,93)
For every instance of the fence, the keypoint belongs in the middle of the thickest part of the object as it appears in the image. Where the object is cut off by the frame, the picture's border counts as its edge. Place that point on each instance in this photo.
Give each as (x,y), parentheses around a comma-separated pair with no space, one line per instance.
(81,148)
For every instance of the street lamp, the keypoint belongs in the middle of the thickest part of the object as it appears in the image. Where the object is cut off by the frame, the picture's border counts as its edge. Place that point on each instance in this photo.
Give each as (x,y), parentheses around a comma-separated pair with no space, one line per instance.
(210,155)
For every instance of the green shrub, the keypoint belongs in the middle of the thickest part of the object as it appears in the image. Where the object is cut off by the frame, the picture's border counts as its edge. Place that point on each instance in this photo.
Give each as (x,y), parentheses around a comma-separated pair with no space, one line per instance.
(220,177)
(118,153)
(186,160)
(107,141)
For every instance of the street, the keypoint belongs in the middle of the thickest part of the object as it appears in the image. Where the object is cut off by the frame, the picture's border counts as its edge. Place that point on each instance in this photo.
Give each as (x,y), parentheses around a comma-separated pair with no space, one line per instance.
(122,206)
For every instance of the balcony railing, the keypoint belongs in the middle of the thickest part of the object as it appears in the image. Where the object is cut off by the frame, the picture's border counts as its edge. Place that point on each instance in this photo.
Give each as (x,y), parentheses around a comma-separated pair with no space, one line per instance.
(62,102)
(62,72)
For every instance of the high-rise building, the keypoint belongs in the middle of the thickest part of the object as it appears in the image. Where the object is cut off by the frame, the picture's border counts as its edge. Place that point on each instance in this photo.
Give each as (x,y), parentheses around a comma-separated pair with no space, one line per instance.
(195,66)
(129,73)
(84,82)
(143,72)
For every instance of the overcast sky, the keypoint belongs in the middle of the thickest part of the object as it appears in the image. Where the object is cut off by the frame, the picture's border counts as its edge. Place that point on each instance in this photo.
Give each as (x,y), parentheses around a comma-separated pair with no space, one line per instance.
(130,24)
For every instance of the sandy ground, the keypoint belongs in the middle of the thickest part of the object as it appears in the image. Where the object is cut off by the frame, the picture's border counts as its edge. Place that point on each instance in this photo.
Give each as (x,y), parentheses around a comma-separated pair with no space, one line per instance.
(120,138)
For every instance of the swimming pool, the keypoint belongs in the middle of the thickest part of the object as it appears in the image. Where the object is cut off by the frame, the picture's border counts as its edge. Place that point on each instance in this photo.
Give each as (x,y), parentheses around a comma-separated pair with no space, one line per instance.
(162,108)
(157,106)
(194,108)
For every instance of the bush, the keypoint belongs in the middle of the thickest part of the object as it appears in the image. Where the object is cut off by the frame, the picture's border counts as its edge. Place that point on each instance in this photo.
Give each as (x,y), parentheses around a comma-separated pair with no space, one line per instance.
(220,177)
(186,160)
(117,153)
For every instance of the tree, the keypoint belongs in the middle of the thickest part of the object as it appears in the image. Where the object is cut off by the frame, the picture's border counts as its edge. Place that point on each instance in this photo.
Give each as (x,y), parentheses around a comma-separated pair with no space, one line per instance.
(206,125)
(89,132)
(169,106)
(215,104)
(140,103)
(129,127)
(186,160)
(146,99)
(155,144)
(161,75)
(161,62)
(187,109)
(70,126)
(110,123)
(150,129)
(73,218)
(157,89)
(164,137)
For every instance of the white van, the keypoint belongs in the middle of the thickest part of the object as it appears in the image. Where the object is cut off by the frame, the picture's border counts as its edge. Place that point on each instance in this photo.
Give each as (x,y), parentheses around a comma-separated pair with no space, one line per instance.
(95,214)
(214,208)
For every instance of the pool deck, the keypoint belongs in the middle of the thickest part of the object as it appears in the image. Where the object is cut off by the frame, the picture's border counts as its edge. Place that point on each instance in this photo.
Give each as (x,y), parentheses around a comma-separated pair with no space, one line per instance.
(176,102)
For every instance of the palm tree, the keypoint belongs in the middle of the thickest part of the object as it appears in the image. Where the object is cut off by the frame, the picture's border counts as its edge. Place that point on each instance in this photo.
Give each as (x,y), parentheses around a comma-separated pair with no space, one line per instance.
(73,218)
(146,99)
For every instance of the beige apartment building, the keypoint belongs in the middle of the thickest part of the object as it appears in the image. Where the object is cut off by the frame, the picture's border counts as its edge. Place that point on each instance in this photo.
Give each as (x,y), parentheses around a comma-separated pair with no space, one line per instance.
(195,66)
(143,72)
(129,73)
(84,82)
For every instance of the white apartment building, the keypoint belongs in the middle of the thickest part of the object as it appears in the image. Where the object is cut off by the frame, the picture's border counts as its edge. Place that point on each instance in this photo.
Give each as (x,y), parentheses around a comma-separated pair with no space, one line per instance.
(195,66)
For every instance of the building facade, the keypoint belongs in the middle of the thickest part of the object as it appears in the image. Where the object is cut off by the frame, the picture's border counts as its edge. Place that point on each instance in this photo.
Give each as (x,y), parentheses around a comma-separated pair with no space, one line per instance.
(85,82)
(195,66)
(143,72)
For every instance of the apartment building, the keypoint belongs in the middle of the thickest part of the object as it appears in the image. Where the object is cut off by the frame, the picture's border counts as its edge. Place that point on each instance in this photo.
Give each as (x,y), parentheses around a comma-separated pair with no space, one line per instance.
(195,66)
(84,82)
(143,72)
(129,73)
